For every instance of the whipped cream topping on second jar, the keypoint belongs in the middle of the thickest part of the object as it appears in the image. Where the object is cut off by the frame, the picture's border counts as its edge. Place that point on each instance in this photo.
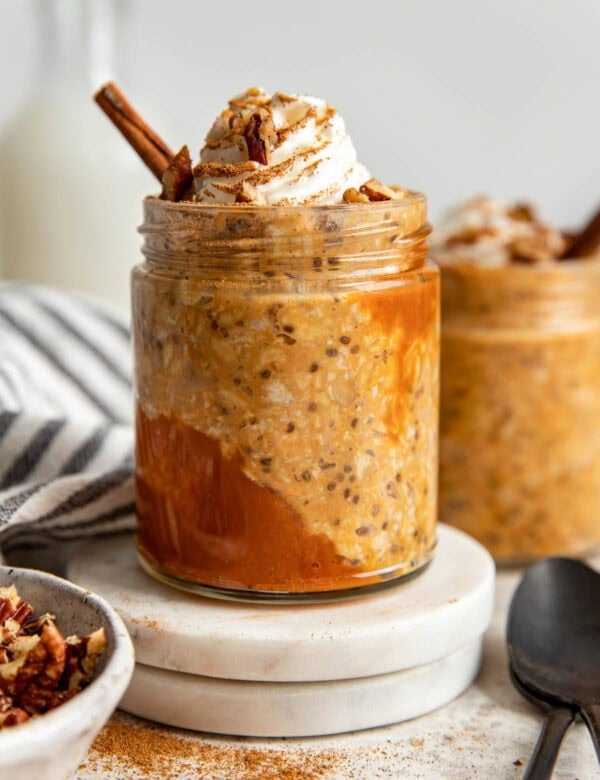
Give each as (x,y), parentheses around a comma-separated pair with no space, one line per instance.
(491,233)
(277,150)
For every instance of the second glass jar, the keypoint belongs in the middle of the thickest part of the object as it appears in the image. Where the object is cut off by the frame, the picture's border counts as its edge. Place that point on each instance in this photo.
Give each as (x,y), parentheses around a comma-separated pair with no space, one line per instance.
(520,407)
(286,367)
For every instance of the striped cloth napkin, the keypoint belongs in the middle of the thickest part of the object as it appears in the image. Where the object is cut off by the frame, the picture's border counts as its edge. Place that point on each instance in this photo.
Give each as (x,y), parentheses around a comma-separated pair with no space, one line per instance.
(66,439)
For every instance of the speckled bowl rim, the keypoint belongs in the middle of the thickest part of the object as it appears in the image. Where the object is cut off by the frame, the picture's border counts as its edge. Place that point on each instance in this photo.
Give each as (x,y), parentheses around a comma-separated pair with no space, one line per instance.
(47,734)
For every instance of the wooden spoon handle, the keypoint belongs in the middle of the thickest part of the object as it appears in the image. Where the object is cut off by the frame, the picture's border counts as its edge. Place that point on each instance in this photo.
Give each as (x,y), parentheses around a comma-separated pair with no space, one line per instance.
(591,715)
(541,764)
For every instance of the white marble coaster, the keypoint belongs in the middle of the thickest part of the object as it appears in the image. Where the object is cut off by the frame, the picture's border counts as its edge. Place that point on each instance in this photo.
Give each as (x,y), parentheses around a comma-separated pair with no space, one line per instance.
(271,709)
(417,622)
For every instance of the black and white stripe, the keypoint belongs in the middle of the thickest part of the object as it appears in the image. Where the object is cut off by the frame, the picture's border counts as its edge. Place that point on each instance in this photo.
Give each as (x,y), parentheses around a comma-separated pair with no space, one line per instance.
(66,440)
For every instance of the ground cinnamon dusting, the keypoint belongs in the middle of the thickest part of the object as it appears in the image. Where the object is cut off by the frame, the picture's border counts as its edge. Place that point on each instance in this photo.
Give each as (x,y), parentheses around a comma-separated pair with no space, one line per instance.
(153,751)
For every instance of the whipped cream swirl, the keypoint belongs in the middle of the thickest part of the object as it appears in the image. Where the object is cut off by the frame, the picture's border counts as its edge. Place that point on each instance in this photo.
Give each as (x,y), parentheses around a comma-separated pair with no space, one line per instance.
(304,153)
(491,233)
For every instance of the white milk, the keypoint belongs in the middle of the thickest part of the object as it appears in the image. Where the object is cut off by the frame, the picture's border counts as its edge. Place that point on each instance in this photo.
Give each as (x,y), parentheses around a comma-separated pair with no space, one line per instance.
(71,188)
(72,192)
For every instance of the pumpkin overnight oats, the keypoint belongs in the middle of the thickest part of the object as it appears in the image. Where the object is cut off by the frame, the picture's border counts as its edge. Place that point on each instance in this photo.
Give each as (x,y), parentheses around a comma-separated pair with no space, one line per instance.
(286,350)
(520,380)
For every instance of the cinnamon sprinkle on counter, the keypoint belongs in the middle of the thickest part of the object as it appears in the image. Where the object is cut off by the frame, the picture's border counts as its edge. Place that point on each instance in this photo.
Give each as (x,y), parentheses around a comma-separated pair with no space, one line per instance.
(142,749)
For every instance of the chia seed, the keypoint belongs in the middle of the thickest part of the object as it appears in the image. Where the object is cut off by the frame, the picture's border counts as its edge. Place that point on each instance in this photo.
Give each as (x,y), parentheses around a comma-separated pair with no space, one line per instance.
(325,465)
(365,530)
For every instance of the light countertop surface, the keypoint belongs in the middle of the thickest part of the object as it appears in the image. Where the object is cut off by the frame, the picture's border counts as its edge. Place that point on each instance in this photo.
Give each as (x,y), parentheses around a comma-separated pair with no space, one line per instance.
(489,732)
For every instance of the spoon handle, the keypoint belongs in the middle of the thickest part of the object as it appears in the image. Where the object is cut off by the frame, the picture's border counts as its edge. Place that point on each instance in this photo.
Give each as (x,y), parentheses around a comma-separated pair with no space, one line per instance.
(556,723)
(591,715)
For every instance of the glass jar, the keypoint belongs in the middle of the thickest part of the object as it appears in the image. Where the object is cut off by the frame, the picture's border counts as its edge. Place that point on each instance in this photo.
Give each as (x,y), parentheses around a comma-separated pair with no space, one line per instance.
(520,407)
(286,369)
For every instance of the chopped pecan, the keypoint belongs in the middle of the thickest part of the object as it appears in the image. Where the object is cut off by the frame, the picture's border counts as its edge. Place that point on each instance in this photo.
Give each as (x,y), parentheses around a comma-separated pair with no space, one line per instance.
(522,212)
(178,179)
(248,194)
(38,693)
(26,659)
(529,249)
(14,612)
(9,714)
(375,190)
(6,703)
(36,667)
(13,716)
(36,625)
(352,195)
(82,654)
(39,669)
(260,136)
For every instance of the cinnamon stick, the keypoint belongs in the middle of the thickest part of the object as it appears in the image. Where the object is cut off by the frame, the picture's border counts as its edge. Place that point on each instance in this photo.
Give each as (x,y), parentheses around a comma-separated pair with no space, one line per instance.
(150,147)
(585,243)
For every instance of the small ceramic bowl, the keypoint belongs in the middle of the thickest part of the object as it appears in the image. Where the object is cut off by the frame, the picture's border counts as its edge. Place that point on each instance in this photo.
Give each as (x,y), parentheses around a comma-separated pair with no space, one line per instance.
(51,746)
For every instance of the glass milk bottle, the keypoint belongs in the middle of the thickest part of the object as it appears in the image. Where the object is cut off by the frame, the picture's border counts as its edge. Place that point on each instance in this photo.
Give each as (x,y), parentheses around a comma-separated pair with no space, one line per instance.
(70,188)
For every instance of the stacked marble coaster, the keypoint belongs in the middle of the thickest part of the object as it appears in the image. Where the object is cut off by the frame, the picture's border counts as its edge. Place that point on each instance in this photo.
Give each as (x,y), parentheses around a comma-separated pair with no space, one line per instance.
(298,670)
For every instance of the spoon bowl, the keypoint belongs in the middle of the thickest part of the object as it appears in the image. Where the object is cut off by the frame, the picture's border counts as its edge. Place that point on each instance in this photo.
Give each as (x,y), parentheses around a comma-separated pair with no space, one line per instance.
(554,631)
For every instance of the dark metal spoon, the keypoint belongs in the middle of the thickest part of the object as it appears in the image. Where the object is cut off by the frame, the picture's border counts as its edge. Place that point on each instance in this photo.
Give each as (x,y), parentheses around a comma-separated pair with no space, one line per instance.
(556,724)
(554,637)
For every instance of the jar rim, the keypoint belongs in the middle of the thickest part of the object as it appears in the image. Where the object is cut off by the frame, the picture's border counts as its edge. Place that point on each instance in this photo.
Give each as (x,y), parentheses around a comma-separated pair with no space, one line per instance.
(370,235)
(568,265)
(410,199)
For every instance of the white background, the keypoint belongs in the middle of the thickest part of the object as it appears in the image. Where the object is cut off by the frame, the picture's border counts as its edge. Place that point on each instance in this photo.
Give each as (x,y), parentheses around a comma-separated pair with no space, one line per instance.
(449,96)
